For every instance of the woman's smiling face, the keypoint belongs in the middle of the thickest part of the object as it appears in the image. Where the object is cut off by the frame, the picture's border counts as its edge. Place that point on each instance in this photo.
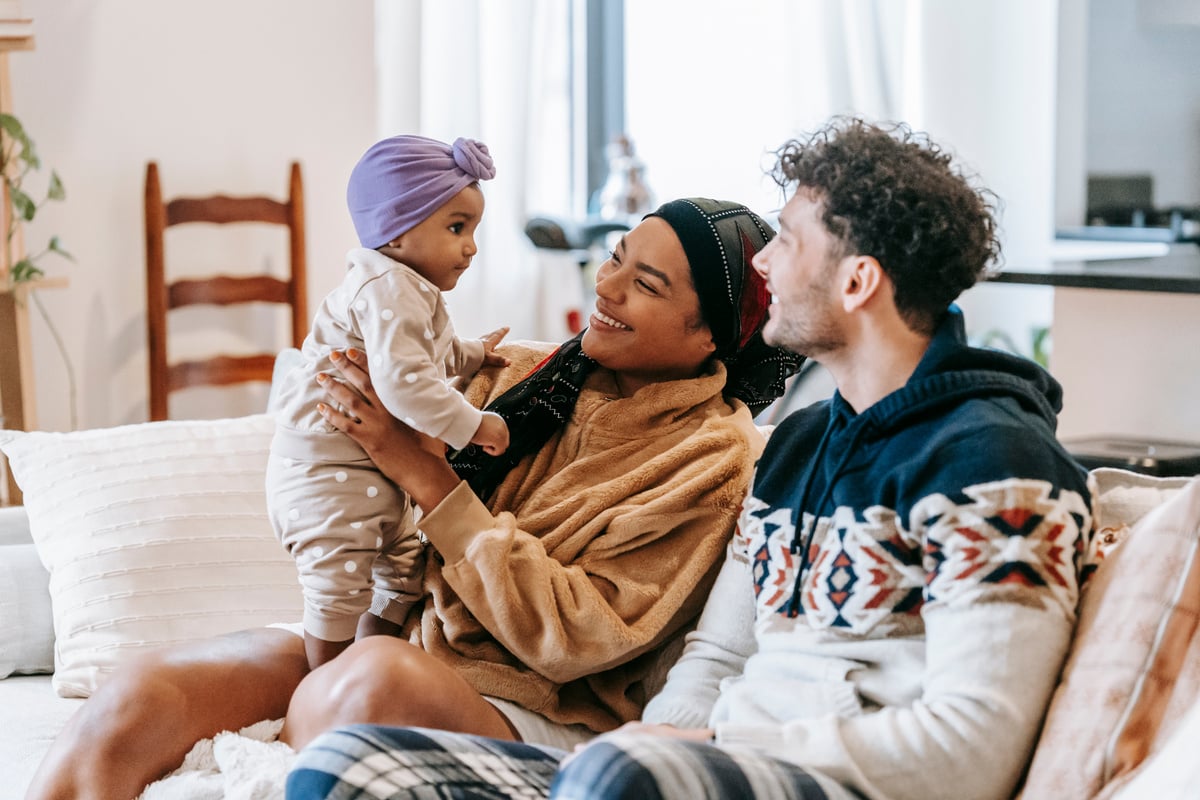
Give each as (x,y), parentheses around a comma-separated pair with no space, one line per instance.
(647,325)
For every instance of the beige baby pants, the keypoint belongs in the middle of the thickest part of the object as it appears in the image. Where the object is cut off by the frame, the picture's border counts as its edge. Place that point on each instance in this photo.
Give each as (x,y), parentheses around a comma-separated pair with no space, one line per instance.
(352,535)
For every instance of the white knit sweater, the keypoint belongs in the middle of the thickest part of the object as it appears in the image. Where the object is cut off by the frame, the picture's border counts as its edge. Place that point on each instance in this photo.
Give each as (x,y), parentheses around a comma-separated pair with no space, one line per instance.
(895,714)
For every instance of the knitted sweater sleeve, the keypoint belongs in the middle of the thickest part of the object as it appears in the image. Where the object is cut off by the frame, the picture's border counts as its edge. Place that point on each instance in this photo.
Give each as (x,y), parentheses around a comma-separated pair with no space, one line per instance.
(998,615)
(715,650)
(979,709)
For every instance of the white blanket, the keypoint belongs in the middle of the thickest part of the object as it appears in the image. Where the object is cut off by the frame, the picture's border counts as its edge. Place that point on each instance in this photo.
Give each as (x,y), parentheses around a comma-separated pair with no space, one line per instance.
(248,765)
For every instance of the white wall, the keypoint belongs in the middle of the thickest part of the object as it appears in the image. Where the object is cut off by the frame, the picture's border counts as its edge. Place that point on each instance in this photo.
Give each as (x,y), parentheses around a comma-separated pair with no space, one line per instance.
(1128,361)
(1143,110)
(223,94)
(1070,152)
(988,70)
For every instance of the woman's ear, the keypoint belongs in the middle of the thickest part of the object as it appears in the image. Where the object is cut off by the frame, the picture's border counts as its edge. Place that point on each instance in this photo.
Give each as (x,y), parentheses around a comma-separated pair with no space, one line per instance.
(862,278)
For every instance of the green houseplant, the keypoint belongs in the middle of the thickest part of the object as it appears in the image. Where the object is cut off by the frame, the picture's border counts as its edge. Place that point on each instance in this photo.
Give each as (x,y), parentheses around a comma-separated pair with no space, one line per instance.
(18,160)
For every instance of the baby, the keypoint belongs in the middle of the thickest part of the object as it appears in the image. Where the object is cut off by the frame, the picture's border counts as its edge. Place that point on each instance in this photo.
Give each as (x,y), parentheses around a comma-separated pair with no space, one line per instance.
(416,204)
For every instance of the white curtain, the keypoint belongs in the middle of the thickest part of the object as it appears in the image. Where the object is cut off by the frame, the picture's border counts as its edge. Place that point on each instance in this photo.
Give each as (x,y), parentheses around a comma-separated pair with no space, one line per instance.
(497,72)
(856,57)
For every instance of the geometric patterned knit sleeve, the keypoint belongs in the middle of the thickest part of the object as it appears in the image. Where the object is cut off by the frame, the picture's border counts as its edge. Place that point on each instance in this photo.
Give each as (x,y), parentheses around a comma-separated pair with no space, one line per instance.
(996,612)
(715,650)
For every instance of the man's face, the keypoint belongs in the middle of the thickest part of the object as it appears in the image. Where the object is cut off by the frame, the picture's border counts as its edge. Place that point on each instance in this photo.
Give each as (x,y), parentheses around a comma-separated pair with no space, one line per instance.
(800,268)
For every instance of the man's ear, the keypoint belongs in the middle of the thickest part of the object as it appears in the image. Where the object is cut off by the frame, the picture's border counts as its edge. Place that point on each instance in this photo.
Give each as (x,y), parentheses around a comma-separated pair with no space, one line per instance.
(862,279)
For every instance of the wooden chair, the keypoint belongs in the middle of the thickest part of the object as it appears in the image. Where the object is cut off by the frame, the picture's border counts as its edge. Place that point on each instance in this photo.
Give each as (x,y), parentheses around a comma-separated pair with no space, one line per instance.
(162,295)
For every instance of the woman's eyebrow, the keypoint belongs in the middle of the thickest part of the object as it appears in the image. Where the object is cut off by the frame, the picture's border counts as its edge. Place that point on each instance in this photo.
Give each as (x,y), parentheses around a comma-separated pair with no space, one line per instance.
(662,276)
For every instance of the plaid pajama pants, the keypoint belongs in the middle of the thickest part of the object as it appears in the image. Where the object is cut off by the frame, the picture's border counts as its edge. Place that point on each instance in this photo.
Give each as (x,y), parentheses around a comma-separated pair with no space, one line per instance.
(368,762)
(374,762)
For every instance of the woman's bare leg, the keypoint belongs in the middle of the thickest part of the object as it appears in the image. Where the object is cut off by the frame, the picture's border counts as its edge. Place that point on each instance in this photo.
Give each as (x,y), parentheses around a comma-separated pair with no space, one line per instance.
(141,723)
(387,681)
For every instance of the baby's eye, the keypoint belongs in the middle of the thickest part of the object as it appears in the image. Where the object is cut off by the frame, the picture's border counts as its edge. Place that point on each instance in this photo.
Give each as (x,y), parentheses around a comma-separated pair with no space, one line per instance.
(456,227)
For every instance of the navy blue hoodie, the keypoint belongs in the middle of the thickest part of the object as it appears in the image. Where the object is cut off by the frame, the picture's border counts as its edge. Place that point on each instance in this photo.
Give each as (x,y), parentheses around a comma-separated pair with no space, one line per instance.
(967,418)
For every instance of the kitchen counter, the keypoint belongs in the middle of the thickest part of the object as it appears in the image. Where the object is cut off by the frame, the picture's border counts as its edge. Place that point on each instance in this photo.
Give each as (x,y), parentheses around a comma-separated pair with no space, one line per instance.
(1177,271)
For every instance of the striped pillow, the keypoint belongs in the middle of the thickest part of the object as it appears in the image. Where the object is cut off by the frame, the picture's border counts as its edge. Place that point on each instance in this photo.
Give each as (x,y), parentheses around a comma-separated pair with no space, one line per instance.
(153,534)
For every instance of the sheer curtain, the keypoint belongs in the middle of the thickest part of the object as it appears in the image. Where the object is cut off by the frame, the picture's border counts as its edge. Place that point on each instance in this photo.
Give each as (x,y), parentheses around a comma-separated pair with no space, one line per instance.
(498,72)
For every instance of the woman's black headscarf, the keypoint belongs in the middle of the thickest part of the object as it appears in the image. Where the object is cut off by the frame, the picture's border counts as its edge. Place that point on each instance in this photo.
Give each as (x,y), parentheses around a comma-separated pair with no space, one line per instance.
(719,239)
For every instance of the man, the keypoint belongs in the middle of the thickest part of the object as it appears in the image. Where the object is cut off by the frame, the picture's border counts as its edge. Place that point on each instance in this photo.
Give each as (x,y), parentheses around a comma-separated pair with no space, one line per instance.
(900,595)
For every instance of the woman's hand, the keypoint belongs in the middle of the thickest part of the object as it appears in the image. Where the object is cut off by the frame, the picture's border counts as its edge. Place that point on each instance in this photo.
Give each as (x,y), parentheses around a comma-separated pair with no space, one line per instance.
(414,462)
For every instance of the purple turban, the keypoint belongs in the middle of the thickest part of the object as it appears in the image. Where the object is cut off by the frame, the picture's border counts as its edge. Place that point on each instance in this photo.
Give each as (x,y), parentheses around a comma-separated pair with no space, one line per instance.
(400,181)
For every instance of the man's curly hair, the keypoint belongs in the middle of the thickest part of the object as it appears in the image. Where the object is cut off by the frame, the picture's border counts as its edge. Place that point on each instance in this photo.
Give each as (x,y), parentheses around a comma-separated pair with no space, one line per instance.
(893,194)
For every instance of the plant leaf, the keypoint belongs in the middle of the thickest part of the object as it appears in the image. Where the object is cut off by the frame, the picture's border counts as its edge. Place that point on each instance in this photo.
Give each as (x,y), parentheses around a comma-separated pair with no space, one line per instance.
(56,246)
(12,126)
(16,131)
(29,155)
(55,190)
(22,203)
(25,270)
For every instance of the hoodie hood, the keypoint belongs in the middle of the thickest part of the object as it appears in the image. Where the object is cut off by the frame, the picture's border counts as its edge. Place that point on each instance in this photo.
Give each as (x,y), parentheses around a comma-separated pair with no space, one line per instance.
(952,371)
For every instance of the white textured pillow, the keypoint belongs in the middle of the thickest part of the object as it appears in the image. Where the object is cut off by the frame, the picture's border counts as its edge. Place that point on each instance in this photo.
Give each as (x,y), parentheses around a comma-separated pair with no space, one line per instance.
(153,534)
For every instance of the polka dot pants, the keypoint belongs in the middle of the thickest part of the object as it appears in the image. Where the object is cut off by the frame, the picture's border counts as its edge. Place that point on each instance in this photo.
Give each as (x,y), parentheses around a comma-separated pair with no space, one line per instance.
(352,535)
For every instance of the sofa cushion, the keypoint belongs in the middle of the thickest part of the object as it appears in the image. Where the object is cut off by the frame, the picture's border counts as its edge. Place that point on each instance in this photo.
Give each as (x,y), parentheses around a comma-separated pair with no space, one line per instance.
(152,534)
(31,718)
(26,628)
(1134,666)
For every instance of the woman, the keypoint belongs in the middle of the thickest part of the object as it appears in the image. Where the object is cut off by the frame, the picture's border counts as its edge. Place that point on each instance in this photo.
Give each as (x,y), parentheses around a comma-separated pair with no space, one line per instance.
(559,570)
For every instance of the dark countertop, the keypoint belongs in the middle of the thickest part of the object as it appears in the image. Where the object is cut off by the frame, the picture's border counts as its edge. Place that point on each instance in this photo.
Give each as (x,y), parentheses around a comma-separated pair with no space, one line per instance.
(1177,271)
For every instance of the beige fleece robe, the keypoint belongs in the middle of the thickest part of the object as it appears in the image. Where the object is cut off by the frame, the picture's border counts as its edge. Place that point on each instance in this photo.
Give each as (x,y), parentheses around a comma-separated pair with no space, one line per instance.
(610,538)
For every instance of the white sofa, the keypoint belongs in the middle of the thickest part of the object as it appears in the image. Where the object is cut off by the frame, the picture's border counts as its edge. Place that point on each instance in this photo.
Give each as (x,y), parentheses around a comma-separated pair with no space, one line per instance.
(146,534)
(31,713)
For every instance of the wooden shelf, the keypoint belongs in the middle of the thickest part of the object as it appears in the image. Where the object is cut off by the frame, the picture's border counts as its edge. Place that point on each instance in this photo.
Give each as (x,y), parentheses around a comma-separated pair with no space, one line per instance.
(17,398)
(16,355)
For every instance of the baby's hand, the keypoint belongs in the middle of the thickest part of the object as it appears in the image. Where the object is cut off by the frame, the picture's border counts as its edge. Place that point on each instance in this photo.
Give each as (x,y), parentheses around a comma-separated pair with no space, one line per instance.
(492,434)
(491,359)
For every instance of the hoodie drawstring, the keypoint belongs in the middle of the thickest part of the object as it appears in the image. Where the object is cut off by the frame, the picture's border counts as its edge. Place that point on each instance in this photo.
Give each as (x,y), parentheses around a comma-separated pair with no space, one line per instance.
(804,539)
